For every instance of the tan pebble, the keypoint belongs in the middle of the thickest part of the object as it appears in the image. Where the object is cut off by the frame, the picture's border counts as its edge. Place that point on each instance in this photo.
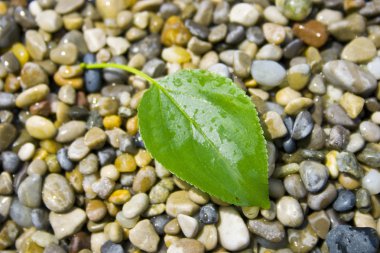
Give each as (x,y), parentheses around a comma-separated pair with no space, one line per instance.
(275,125)
(96,210)
(285,95)
(297,105)
(352,104)
(32,95)
(143,158)
(40,127)
(274,33)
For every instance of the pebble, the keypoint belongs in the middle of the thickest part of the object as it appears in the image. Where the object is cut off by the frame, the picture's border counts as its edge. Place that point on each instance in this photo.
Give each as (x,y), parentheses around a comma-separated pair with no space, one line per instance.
(175,54)
(303,125)
(345,238)
(118,45)
(64,7)
(208,214)
(272,14)
(49,21)
(272,231)
(57,194)
(154,68)
(235,34)
(10,161)
(62,228)
(302,240)
(336,115)
(298,76)
(175,32)
(8,234)
(345,201)
(294,10)
(63,160)
(35,45)
(319,201)
(29,191)
(77,150)
(359,50)
(348,76)
(65,54)
(289,212)
(188,225)
(40,218)
(275,125)
(20,214)
(70,131)
(320,223)
(244,14)
(10,32)
(347,163)
(294,186)
(10,62)
(313,33)
(352,104)
(40,127)
(371,181)
(43,239)
(370,155)
(32,74)
(273,78)
(186,245)
(179,203)
(314,175)
(370,131)
(144,236)
(373,67)
(136,205)
(95,39)
(233,233)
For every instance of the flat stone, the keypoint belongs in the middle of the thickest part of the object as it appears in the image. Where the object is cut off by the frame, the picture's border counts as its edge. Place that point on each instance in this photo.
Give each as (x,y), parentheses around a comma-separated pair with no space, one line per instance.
(62,228)
(186,245)
(319,201)
(272,231)
(179,203)
(40,127)
(57,194)
(359,50)
(64,54)
(32,95)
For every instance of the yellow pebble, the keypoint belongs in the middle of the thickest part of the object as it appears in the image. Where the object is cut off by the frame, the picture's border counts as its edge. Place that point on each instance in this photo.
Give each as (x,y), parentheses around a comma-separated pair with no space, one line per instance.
(112,121)
(40,154)
(50,146)
(76,179)
(119,197)
(52,163)
(331,163)
(175,54)
(3,8)
(21,53)
(251,83)
(132,125)
(76,83)
(125,163)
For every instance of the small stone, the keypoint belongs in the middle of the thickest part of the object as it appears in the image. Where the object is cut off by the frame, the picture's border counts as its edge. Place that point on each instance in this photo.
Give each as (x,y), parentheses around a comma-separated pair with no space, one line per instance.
(65,54)
(336,115)
(235,34)
(344,238)
(175,32)
(314,175)
(188,225)
(303,125)
(312,33)
(6,182)
(10,31)
(32,74)
(319,201)
(294,186)
(345,201)
(77,150)
(7,100)
(233,233)
(289,212)
(57,194)
(275,125)
(96,210)
(298,76)
(352,104)
(179,203)
(49,21)
(370,131)
(154,68)
(359,50)
(62,228)
(43,238)
(8,234)
(373,67)
(35,44)
(40,218)
(144,180)
(111,247)
(371,181)
(103,187)
(274,33)
(244,14)
(186,245)
(20,214)
(40,127)
(70,131)
(64,6)
(118,45)
(29,191)
(347,163)
(272,231)
(10,161)
(370,155)
(63,160)
(175,54)
(10,62)
(268,73)
(198,46)
(320,223)
(95,39)
(297,105)
(328,16)
(338,138)
(349,76)
(144,236)
(217,33)
(136,205)
(294,10)
(302,240)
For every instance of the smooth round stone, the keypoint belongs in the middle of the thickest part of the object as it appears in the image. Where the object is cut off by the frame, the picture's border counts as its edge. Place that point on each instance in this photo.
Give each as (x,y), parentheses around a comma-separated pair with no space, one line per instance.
(175,32)
(109,9)
(154,68)
(235,35)
(40,218)
(233,233)
(314,175)
(169,9)
(268,73)
(32,95)
(302,240)
(111,247)
(272,231)
(70,131)
(65,54)
(35,44)
(336,115)
(255,34)
(197,30)
(208,214)
(275,124)
(370,155)
(32,74)
(179,203)
(136,205)
(96,210)
(77,39)
(43,238)
(359,50)
(295,10)
(67,6)
(10,62)
(62,228)
(370,131)
(345,238)
(10,161)
(371,181)
(374,67)
(77,150)
(40,127)
(63,160)
(289,212)
(273,14)
(298,76)
(274,33)
(188,225)
(95,39)
(198,46)
(345,201)
(57,194)
(347,163)
(313,33)
(319,201)
(92,77)
(29,191)
(294,186)
(328,16)
(355,143)
(67,94)
(352,104)
(269,52)
(118,45)
(349,76)
(49,21)
(303,125)
(186,245)
(244,14)
(7,100)
(9,31)
(20,214)
(144,236)
(208,236)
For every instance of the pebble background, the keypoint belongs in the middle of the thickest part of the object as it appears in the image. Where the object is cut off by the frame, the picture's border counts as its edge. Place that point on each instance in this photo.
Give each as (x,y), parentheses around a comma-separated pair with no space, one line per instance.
(75,176)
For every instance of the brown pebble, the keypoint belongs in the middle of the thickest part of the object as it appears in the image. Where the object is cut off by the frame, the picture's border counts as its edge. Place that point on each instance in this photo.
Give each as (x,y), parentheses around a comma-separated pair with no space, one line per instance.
(41,108)
(96,210)
(175,32)
(312,33)
(79,241)
(348,182)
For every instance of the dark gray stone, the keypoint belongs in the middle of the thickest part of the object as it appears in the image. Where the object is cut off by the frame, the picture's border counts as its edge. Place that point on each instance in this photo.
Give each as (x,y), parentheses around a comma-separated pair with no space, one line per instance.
(64,161)
(208,214)
(159,223)
(303,125)
(345,201)
(111,247)
(314,175)
(10,161)
(150,47)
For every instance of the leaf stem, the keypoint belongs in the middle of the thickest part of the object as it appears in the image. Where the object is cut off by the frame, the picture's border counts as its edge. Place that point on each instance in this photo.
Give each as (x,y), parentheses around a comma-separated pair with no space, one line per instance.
(119,66)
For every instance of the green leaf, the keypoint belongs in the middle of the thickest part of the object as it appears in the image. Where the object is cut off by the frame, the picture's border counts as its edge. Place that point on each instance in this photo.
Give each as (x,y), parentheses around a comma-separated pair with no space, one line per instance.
(206,131)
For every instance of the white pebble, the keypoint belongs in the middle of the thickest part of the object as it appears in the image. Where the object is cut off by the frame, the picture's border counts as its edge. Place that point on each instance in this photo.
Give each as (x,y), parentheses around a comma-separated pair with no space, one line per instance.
(289,212)
(26,151)
(371,181)
(95,39)
(188,225)
(244,14)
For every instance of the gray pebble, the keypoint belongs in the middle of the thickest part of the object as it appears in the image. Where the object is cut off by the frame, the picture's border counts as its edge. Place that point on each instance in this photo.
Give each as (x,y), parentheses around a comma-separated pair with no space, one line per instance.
(314,175)
(255,34)
(20,214)
(150,47)
(319,201)
(64,161)
(40,218)
(111,247)
(94,120)
(345,201)
(220,14)
(293,48)
(54,248)
(235,35)
(336,115)
(10,161)
(77,39)
(10,62)
(9,31)
(154,68)
(197,30)
(338,138)
(106,156)
(268,73)
(303,125)
(220,69)
(159,223)
(112,75)
(370,155)
(347,163)
(169,9)
(208,214)
(7,100)
(363,200)
(370,131)
(294,186)
(24,18)
(29,191)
